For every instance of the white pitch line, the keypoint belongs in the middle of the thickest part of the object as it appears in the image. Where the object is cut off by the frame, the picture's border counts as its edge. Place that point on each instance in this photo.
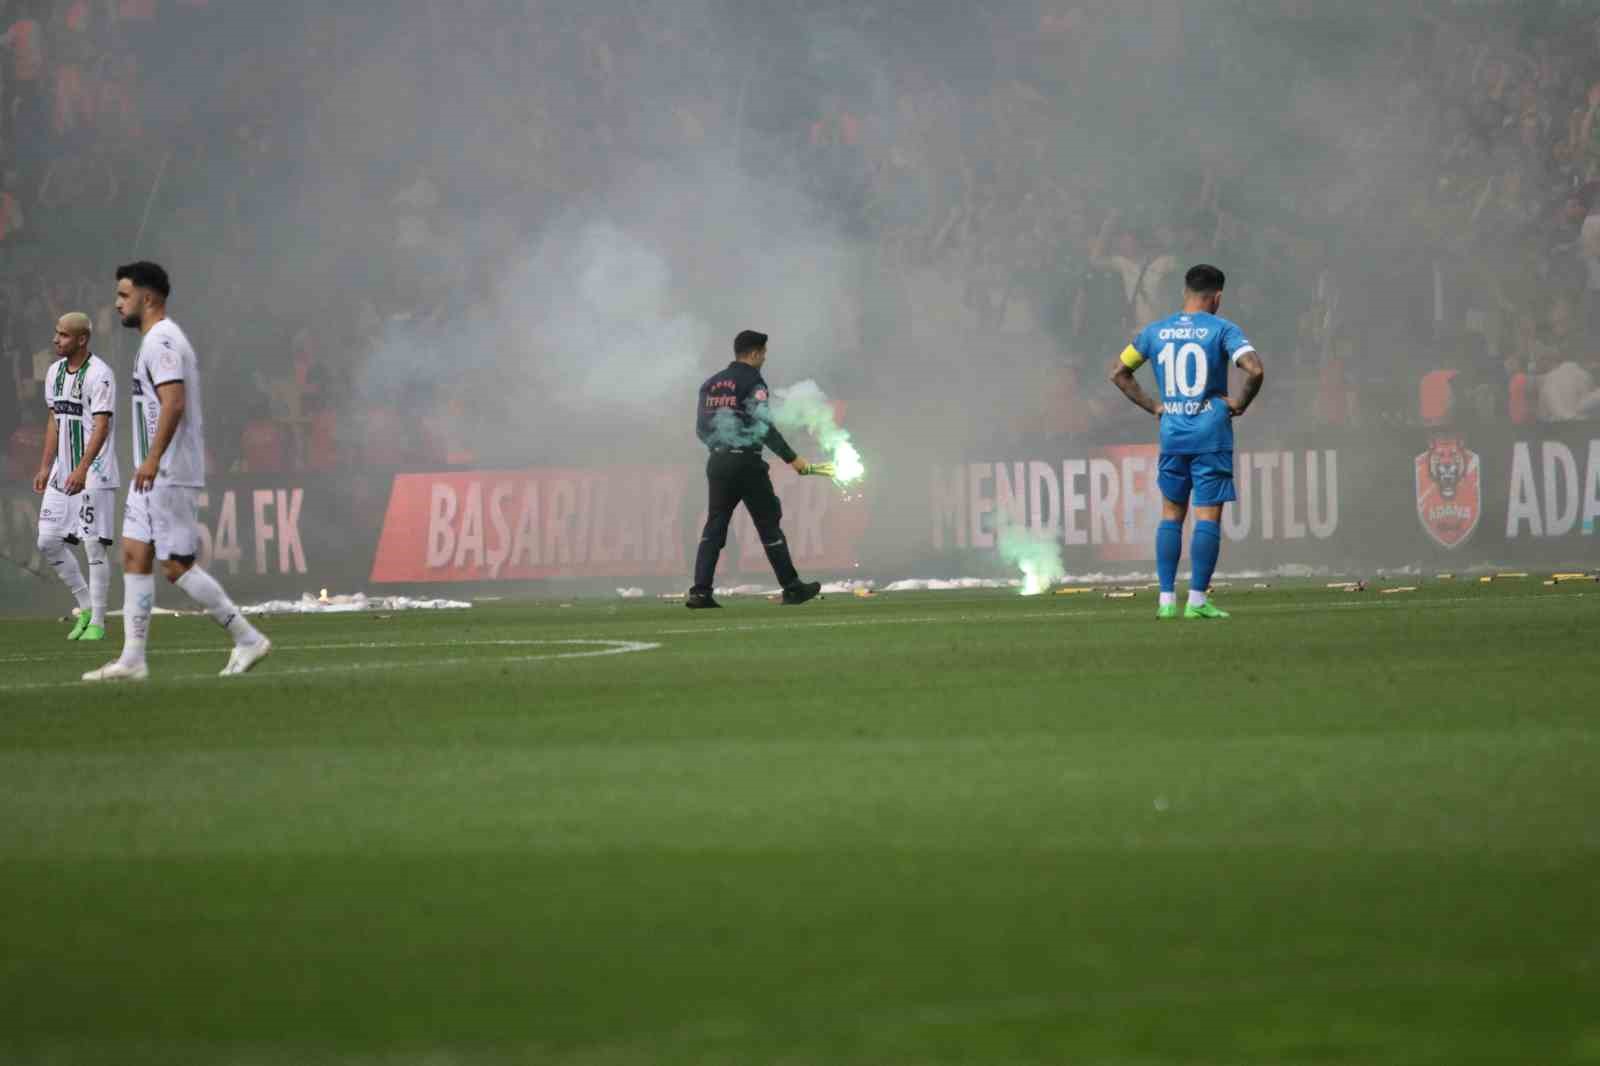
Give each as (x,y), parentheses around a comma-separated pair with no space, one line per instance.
(366,645)
(614,647)
(605,647)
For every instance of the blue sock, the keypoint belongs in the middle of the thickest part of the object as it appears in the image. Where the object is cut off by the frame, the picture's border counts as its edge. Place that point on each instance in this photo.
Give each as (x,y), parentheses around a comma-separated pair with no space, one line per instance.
(1204,551)
(1169,550)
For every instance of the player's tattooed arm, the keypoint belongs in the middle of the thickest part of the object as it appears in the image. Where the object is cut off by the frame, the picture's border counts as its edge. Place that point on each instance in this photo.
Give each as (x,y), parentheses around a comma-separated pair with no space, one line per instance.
(1254,375)
(1122,377)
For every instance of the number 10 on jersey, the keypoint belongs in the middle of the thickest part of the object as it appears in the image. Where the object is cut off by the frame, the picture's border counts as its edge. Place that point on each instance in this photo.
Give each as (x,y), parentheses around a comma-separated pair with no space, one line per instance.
(1183,370)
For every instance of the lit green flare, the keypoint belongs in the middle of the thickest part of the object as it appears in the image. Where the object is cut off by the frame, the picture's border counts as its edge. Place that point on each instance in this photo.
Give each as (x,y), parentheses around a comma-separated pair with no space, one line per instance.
(805,406)
(847,465)
(1037,555)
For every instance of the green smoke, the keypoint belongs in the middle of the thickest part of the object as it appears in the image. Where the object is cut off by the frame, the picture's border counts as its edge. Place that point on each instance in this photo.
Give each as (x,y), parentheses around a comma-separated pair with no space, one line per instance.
(805,406)
(1037,555)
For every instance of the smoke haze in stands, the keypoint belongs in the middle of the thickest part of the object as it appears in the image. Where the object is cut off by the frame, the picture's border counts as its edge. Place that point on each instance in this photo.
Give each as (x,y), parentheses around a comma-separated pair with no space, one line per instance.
(615,314)
(499,234)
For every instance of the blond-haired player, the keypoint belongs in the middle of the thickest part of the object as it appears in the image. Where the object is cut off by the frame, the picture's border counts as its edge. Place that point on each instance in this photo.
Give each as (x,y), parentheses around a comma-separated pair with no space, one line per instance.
(160,520)
(78,472)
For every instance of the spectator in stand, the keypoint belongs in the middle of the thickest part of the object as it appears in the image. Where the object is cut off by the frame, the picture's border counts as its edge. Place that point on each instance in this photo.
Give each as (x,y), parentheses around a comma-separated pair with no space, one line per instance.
(1145,273)
(263,445)
(385,436)
(118,107)
(1480,386)
(135,22)
(1570,391)
(1561,326)
(326,451)
(26,98)
(838,160)
(11,217)
(26,441)
(10,399)
(76,16)
(837,126)
(1588,248)
(73,96)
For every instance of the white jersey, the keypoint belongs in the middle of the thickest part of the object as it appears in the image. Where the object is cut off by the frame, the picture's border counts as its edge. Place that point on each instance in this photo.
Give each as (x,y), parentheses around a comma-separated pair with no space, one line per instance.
(164,357)
(75,398)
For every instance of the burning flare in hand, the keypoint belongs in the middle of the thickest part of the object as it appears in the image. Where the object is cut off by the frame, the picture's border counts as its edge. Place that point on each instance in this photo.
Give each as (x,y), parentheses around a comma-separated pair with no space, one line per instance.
(805,406)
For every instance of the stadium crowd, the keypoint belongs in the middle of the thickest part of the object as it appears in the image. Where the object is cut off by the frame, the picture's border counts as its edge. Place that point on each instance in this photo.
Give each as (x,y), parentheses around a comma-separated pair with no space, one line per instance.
(1415,237)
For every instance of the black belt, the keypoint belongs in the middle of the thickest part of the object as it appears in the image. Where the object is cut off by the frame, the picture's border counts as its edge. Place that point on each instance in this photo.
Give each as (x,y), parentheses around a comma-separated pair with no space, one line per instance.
(737,451)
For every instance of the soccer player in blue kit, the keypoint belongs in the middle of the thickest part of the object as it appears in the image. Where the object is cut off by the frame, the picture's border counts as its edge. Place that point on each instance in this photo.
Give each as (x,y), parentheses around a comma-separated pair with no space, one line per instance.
(1192,351)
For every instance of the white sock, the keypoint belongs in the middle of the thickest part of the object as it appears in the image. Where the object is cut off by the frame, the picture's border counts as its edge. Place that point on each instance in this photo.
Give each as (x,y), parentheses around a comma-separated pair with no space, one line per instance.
(203,589)
(1169,599)
(58,554)
(1197,598)
(138,600)
(99,581)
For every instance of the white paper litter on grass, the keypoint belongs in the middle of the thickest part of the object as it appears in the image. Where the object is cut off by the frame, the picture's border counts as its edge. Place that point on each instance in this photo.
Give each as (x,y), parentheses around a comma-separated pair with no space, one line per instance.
(631,594)
(951,584)
(359,601)
(845,588)
(748,590)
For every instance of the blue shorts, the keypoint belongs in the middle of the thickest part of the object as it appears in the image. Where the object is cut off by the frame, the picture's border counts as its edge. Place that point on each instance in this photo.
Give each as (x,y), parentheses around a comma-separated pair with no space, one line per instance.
(1209,476)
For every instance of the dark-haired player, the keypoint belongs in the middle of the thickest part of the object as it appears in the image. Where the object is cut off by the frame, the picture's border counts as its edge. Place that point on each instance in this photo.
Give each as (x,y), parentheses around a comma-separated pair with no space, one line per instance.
(733,420)
(160,518)
(1192,351)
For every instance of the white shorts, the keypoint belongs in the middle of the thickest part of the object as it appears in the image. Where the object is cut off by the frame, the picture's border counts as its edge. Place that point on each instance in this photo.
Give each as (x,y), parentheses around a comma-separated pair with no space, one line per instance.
(84,517)
(165,516)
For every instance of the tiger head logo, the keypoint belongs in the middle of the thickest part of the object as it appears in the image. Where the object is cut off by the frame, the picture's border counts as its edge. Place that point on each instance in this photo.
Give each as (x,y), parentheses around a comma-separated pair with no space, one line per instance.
(1449,491)
(1447,464)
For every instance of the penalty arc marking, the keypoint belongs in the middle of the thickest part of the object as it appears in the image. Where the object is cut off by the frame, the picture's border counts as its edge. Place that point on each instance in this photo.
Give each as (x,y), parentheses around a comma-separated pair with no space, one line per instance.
(597,649)
(574,649)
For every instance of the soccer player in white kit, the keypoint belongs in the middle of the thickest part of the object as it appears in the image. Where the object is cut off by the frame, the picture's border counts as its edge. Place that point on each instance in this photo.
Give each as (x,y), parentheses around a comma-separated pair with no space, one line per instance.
(160,518)
(78,472)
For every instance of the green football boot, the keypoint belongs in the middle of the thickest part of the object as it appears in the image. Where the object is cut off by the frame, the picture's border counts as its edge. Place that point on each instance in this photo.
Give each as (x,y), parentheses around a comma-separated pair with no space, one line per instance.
(1205,610)
(79,626)
(93,632)
(1169,610)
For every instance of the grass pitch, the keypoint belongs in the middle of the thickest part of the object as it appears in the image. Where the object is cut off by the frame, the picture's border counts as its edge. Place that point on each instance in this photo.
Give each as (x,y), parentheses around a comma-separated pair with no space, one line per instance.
(963,828)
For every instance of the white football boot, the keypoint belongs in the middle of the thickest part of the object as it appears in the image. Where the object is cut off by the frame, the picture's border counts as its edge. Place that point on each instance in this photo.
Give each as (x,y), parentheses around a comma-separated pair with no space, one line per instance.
(116,670)
(245,656)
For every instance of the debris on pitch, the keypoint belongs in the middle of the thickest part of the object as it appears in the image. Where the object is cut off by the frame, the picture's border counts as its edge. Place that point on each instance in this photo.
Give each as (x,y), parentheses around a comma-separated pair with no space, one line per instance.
(355,602)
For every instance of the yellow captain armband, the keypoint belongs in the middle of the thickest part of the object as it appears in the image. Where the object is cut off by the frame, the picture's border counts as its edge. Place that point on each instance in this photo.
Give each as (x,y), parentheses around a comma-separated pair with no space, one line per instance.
(1131,358)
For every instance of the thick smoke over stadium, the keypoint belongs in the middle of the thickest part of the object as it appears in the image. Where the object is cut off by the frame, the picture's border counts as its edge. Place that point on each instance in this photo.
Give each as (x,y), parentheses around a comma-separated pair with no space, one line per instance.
(508,234)
(618,308)
(1131,600)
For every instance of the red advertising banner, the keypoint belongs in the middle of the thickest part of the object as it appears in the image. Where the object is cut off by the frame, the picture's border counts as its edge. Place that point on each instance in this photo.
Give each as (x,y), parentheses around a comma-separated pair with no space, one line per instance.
(604,522)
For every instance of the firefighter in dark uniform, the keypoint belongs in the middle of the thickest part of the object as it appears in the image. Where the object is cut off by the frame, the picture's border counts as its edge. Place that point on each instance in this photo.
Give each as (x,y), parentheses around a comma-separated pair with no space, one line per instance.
(734,421)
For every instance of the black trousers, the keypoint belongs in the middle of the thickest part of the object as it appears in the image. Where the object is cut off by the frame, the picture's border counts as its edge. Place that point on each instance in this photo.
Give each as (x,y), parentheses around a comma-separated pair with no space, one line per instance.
(735,478)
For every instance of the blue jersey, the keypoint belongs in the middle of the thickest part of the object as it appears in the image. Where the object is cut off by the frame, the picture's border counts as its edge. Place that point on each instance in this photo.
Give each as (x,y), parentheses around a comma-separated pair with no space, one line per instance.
(1192,353)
